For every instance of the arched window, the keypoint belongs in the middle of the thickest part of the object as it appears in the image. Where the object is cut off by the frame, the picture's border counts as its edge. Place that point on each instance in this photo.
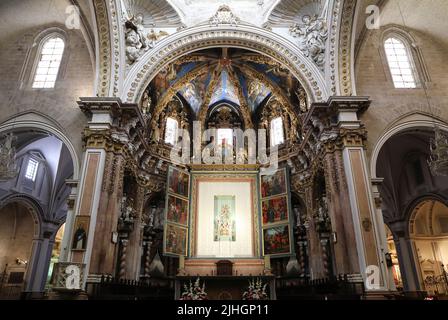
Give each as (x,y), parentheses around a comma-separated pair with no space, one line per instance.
(277,134)
(31,170)
(400,64)
(171,131)
(49,62)
(225,137)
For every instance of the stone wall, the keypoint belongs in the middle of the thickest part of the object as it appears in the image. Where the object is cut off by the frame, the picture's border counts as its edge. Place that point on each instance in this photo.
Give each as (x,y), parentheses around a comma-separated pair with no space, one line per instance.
(390,104)
(76,79)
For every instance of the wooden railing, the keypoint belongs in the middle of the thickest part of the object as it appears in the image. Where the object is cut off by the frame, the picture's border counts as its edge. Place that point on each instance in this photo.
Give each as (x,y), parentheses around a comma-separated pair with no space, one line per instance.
(109,288)
(9,288)
(343,287)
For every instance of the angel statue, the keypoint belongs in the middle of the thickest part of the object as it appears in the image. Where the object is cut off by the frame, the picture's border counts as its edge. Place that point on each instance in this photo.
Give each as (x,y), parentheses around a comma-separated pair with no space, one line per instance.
(312,37)
(138,23)
(136,42)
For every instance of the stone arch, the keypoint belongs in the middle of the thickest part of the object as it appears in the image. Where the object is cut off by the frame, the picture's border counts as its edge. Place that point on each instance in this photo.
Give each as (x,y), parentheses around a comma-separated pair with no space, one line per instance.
(410,121)
(34,120)
(411,209)
(245,37)
(35,275)
(32,206)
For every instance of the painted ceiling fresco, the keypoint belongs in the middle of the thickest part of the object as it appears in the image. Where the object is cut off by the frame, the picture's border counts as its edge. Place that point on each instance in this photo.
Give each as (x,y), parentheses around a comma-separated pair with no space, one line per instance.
(208,77)
(225,90)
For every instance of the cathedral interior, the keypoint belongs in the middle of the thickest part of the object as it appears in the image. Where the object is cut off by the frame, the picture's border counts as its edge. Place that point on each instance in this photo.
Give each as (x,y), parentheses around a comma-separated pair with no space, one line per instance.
(223,150)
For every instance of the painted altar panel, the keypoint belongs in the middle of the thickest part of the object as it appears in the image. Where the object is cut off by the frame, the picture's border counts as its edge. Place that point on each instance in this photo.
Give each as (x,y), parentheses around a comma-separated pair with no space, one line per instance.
(178,182)
(177,207)
(276,214)
(224,216)
(176,240)
(276,240)
(177,210)
(275,210)
(274,185)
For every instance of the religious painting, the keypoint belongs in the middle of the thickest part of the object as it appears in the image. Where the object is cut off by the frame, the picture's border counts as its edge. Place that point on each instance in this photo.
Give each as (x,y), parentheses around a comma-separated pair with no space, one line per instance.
(273,185)
(177,210)
(176,240)
(275,210)
(276,240)
(225,224)
(80,235)
(178,182)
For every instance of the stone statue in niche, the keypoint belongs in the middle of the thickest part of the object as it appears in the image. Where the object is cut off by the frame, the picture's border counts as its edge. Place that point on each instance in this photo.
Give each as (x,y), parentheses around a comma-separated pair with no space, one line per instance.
(146,103)
(159,218)
(312,37)
(321,217)
(301,96)
(297,215)
(155,133)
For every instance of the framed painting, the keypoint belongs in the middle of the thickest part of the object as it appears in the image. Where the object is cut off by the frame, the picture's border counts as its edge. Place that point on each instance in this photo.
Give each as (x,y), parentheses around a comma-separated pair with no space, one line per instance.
(178,182)
(81,233)
(275,210)
(225,222)
(276,240)
(175,242)
(274,185)
(177,210)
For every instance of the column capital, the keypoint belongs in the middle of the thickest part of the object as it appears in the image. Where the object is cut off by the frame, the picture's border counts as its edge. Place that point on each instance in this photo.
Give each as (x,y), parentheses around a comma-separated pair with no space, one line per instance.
(104,110)
(339,110)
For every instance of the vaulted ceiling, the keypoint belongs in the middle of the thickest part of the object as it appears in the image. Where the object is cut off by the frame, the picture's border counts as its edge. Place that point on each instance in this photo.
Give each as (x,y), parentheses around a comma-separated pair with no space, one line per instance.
(425,17)
(206,78)
(156,12)
(17,17)
(289,12)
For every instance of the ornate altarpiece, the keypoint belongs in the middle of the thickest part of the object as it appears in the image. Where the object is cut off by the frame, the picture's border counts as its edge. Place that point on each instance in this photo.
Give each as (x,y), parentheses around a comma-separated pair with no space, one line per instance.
(247,218)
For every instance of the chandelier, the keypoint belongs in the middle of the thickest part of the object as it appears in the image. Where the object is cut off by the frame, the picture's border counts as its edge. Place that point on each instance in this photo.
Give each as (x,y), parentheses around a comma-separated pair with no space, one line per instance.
(438,159)
(8,164)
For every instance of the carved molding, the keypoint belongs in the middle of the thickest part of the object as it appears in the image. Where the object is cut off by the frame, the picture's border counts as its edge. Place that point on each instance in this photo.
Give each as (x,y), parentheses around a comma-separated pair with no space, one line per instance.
(201,37)
(104,45)
(345,48)
(333,46)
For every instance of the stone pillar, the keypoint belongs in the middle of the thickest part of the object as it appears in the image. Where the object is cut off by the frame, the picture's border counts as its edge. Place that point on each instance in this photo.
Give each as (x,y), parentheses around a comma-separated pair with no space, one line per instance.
(376,183)
(368,238)
(70,220)
(315,253)
(343,240)
(37,273)
(135,245)
(99,189)
(406,257)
